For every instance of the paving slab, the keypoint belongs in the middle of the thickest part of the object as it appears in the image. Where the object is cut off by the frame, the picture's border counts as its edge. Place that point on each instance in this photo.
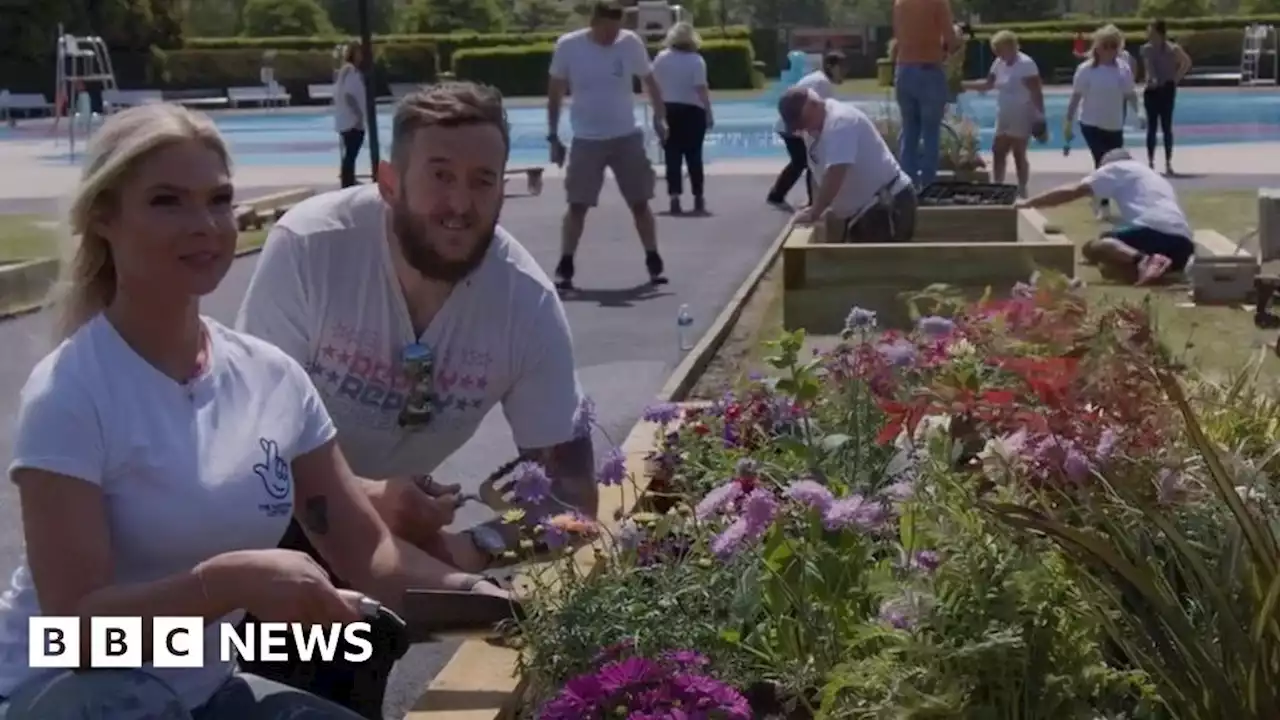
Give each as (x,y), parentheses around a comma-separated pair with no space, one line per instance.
(625,336)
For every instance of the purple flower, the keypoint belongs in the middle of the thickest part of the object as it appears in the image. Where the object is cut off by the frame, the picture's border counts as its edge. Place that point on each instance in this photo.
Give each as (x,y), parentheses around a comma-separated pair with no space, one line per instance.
(613,470)
(585,418)
(686,659)
(530,483)
(759,510)
(718,500)
(854,511)
(674,688)
(811,494)
(1106,445)
(936,327)
(897,613)
(1076,466)
(926,560)
(899,353)
(662,413)
(900,491)
(731,539)
(553,535)
(860,319)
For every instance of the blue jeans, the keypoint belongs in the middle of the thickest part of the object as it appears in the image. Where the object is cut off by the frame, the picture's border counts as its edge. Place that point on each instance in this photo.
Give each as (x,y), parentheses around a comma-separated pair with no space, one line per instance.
(922,101)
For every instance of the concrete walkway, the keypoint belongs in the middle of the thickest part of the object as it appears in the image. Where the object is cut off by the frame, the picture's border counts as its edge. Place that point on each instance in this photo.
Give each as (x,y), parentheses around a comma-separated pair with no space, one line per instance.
(624,332)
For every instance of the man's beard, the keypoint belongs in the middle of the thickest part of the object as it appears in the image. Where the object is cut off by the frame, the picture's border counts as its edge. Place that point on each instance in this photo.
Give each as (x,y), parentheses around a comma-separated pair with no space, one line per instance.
(420,252)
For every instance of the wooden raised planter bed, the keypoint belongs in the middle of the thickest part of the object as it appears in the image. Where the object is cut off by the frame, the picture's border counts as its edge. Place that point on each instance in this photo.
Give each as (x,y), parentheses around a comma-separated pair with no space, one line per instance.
(821,281)
(480,681)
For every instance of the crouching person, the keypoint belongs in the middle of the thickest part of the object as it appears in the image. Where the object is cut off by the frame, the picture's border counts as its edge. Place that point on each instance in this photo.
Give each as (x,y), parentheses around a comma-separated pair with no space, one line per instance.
(862,192)
(1151,238)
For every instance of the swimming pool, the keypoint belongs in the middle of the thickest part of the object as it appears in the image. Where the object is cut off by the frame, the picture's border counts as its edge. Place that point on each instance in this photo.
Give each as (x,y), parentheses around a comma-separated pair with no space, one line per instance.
(744,128)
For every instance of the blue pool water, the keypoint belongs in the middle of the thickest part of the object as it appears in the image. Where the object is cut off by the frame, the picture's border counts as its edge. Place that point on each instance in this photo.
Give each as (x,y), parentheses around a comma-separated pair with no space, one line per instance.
(744,128)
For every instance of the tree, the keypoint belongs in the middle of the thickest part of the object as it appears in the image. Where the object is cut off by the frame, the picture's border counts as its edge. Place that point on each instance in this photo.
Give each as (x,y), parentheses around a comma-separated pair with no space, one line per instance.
(213,18)
(541,15)
(1013,10)
(345,15)
(1173,8)
(275,18)
(446,16)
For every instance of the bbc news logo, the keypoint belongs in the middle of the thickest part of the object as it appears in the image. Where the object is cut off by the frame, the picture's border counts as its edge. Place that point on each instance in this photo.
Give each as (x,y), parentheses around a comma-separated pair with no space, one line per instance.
(178,642)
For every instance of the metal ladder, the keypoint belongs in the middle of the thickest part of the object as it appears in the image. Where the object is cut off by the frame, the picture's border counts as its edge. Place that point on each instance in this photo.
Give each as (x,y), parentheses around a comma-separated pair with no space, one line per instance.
(81,59)
(1259,63)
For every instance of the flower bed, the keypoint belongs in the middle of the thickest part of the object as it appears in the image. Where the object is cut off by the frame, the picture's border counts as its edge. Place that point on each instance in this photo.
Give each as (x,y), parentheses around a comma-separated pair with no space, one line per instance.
(1022,509)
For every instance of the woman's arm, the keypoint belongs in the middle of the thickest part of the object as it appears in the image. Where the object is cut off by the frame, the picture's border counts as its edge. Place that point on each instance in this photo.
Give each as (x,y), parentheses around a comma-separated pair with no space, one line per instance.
(983,85)
(341,522)
(1184,63)
(69,552)
(1036,87)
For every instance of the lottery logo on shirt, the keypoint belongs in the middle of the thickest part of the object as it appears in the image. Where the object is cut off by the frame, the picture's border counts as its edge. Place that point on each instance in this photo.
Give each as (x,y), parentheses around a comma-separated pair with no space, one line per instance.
(276,478)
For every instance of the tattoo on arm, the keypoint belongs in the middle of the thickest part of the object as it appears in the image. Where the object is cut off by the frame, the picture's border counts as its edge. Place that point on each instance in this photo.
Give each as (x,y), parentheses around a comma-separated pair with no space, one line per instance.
(315,515)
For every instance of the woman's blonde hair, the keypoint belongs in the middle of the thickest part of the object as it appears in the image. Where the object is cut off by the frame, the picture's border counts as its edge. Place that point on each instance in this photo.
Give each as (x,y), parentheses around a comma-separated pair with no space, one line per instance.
(88,273)
(1004,38)
(682,36)
(1104,36)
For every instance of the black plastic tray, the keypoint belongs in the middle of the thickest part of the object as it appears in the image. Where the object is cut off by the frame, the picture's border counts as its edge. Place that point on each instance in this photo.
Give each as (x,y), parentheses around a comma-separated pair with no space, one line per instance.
(965,194)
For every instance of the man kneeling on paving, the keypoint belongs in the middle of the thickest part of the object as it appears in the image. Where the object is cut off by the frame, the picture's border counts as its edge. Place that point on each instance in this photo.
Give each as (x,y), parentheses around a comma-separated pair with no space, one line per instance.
(1152,237)
(860,185)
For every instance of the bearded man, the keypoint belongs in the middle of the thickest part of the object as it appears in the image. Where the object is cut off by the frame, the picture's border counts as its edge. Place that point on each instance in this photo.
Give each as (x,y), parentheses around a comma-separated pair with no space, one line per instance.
(415,314)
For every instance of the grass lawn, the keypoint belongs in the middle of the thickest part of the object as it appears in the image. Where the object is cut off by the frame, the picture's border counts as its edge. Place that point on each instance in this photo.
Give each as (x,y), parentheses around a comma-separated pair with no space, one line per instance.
(29,237)
(1218,340)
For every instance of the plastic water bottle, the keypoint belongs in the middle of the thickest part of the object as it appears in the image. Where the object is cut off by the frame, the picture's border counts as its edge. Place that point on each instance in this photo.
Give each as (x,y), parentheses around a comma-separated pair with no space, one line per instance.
(684,328)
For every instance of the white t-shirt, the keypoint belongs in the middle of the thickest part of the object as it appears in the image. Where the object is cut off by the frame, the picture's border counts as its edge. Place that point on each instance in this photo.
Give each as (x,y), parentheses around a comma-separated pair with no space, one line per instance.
(326,293)
(350,83)
(1103,91)
(600,81)
(819,83)
(849,137)
(679,74)
(1143,197)
(187,472)
(1012,93)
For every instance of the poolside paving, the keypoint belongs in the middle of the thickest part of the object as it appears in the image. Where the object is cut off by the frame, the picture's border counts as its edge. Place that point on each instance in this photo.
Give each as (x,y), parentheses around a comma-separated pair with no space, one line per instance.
(625,335)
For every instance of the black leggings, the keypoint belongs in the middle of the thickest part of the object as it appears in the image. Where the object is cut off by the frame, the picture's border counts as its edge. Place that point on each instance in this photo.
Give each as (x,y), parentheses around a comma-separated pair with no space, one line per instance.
(1159,101)
(1100,143)
(797,165)
(686,129)
(352,141)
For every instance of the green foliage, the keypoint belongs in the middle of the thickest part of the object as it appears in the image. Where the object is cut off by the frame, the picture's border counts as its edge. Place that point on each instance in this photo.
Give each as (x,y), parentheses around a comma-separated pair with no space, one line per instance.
(272,18)
(295,69)
(540,15)
(1173,8)
(447,16)
(1053,51)
(521,70)
(345,15)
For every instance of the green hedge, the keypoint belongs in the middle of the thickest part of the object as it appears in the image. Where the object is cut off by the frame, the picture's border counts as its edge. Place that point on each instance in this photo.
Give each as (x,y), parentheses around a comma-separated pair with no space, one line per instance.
(522,70)
(1135,24)
(446,45)
(1056,50)
(295,69)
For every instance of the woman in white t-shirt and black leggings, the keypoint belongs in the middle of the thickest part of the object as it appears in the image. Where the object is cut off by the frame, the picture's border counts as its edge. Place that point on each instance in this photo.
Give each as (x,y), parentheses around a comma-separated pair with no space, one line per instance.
(682,76)
(1102,90)
(349,111)
(159,455)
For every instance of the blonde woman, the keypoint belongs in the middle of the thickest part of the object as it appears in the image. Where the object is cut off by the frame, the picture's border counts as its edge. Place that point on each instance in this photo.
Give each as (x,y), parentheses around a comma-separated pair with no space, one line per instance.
(159,455)
(682,76)
(1102,90)
(1020,106)
(349,110)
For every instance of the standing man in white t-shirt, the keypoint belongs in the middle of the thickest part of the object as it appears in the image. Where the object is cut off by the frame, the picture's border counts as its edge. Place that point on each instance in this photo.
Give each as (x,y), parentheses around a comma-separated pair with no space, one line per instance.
(1152,237)
(863,194)
(597,64)
(349,110)
(824,82)
(415,314)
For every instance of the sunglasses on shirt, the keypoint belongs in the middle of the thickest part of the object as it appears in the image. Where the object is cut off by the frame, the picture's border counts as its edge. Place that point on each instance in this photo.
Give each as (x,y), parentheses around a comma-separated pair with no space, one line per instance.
(418,364)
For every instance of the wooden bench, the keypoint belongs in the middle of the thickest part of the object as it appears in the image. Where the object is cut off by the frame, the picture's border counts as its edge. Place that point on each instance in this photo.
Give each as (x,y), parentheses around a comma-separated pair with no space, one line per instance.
(533,177)
(1223,272)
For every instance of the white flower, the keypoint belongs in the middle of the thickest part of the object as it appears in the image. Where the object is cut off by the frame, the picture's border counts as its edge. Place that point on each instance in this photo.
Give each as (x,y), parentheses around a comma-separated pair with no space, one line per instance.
(961,349)
(999,453)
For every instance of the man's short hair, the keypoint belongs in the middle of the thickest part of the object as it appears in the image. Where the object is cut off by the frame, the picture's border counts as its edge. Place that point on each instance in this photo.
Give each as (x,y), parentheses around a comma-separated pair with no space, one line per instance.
(606,10)
(833,58)
(1117,155)
(449,104)
(791,107)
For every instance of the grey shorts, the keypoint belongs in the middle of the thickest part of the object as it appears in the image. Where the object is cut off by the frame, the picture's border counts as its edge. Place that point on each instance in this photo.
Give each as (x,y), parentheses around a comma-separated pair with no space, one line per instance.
(625,156)
(892,223)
